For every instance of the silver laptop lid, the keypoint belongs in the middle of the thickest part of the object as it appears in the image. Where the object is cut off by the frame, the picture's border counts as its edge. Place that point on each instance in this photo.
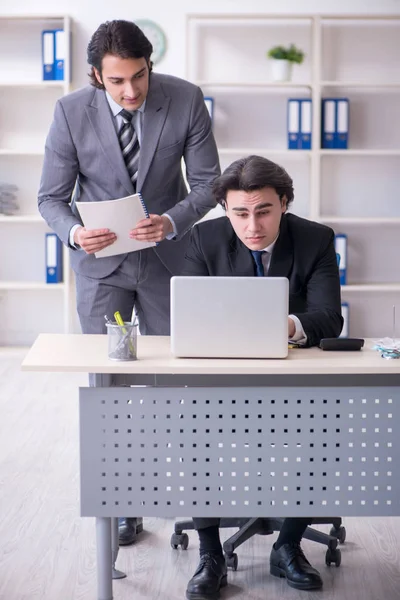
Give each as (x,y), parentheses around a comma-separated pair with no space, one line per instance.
(229,317)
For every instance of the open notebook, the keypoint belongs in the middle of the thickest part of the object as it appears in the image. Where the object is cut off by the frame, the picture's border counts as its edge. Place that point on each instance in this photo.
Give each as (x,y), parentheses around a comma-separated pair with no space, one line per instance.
(119,216)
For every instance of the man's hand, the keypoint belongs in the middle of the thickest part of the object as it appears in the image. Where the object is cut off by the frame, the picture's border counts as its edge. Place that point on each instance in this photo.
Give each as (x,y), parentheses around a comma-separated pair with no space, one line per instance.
(291,328)
(153,229)
(93,240)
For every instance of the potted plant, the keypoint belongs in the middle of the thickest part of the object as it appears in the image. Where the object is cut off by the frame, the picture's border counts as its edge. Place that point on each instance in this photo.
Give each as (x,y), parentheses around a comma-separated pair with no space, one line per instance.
(283,59)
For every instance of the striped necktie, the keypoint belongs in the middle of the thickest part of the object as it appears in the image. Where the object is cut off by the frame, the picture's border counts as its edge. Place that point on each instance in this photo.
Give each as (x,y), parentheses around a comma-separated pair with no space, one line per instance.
(129,143)
(257,255)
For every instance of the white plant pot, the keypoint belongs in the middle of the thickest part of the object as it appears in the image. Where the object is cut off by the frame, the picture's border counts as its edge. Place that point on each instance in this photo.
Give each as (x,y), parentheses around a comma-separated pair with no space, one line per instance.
(281,70)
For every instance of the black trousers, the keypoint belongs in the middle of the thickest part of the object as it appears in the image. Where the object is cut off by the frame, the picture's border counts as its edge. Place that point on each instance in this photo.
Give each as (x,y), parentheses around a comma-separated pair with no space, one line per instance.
(295,523)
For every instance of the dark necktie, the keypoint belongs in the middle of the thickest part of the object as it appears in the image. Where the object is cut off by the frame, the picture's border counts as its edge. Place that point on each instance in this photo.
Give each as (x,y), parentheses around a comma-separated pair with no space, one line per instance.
(129,143)
(257,255)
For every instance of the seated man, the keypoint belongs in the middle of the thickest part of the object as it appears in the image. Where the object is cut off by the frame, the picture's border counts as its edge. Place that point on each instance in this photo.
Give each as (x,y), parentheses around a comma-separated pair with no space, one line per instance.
(257,237)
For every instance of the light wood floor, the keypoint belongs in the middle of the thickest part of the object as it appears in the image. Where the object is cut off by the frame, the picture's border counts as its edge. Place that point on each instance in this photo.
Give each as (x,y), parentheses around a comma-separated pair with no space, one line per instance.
(47,551)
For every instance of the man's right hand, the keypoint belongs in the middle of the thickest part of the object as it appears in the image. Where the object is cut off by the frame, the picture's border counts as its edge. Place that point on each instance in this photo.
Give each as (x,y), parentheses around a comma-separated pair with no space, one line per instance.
(93,240)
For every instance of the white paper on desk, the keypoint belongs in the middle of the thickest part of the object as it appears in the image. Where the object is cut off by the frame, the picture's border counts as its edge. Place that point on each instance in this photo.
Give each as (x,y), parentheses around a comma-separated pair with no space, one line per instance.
(119,216)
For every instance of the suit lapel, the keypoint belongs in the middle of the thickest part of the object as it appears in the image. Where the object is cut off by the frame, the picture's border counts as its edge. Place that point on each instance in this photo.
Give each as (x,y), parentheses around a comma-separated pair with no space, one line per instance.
(155,114)
(102,122)
(282,254)
(240,259)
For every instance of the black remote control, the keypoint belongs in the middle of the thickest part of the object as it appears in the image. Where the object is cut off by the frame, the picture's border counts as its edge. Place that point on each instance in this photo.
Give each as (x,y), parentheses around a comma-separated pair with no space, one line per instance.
(341,343)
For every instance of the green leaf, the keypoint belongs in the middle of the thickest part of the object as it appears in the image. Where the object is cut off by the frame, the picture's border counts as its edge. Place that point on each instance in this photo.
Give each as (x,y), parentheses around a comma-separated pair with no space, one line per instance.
(290,53)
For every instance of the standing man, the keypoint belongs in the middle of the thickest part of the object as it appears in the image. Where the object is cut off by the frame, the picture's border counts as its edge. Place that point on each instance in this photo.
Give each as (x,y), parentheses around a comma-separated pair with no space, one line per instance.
(258,238)
(128,132)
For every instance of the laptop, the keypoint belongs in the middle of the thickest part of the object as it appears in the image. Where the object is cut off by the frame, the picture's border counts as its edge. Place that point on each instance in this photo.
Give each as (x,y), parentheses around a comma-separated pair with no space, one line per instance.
(229,317)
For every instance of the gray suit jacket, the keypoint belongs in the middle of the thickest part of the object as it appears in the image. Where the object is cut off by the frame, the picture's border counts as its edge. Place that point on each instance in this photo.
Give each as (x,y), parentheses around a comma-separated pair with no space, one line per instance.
(82,151)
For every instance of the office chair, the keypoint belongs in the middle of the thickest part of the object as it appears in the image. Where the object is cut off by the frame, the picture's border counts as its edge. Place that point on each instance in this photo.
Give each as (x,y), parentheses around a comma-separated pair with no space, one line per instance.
(266,526)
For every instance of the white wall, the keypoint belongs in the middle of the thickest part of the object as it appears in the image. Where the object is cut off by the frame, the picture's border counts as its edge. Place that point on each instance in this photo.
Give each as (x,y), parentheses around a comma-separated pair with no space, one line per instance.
(87,15)
(171,16)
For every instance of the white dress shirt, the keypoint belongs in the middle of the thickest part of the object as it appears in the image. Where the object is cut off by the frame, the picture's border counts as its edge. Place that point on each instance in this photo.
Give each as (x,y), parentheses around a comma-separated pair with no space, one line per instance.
(137,122)
(299,335)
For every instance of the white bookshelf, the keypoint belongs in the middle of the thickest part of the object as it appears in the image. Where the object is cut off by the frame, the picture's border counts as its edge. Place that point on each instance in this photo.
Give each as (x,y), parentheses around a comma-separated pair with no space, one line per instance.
(365,221)
(60,85)
(252,85)
(361,84)
(21,152)
(35,218)
(359,152)
(355,191)
(31,285)
(28,305)
(371,287)
(243,151)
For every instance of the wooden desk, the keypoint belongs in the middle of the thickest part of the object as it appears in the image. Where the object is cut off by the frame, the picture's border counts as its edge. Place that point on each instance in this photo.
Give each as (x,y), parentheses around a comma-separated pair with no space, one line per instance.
(88,354)
(315,434)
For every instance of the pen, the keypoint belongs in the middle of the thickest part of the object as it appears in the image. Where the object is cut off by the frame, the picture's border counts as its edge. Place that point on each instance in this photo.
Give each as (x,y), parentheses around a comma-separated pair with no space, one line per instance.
(121,323)
(123,337)
(119,320)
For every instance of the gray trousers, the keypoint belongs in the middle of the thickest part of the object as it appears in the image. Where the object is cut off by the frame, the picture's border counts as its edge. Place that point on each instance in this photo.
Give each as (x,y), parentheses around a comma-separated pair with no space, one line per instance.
(141,281)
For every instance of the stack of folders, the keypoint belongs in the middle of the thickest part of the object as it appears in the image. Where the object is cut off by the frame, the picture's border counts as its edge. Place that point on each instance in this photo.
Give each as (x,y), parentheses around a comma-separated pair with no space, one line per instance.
(335,123)
(53,54)
(299,123)
(8,199)
(54,258)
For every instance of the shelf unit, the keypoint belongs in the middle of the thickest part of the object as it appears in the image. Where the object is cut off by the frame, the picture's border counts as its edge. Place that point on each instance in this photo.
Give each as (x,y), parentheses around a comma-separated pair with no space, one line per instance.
(354,191)
(31,84)
(28,305)
(31,285)
(372,287)
(253,85)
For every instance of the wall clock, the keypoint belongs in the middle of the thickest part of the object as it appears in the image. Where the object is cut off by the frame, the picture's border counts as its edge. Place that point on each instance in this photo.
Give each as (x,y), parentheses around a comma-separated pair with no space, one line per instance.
(156,36)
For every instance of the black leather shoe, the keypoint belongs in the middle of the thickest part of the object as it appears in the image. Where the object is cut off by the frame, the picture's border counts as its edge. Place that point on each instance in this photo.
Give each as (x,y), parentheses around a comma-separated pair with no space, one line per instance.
(289,561)
(210,576)
(128,528)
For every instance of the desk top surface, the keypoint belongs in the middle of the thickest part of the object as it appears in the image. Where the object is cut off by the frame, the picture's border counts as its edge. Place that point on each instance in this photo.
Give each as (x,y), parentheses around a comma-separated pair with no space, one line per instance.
(88,354)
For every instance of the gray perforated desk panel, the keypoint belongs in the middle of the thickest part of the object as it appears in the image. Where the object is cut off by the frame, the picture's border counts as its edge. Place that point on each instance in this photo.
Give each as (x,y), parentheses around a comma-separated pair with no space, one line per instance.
(313,435)
(240,451)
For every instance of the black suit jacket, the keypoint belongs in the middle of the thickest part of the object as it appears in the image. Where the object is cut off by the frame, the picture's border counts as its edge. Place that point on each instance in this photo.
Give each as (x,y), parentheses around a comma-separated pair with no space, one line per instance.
(304,253)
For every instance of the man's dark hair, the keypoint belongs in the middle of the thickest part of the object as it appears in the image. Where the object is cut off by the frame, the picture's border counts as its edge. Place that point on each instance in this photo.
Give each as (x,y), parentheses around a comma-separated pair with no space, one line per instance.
(253,173)
(120,38)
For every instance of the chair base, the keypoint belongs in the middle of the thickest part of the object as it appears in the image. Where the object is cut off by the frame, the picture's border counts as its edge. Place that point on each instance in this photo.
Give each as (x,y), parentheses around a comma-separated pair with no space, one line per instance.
(266,526)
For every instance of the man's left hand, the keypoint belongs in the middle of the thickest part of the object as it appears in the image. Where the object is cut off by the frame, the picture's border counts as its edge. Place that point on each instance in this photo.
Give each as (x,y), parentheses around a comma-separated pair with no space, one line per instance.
(153,229)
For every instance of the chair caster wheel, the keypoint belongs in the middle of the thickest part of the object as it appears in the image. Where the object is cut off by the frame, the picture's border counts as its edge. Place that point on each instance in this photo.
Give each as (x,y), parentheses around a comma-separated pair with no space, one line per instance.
(232,561)
(340,534)
(179,539)
(333,556)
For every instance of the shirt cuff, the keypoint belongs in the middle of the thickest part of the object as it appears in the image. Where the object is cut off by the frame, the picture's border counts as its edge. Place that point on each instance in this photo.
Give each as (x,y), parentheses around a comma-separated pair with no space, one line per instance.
(71,236)
(299,335)
(172,235)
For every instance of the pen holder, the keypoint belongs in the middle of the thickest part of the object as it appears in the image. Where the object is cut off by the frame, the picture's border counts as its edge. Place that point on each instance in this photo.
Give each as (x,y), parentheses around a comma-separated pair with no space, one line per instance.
(122,341)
